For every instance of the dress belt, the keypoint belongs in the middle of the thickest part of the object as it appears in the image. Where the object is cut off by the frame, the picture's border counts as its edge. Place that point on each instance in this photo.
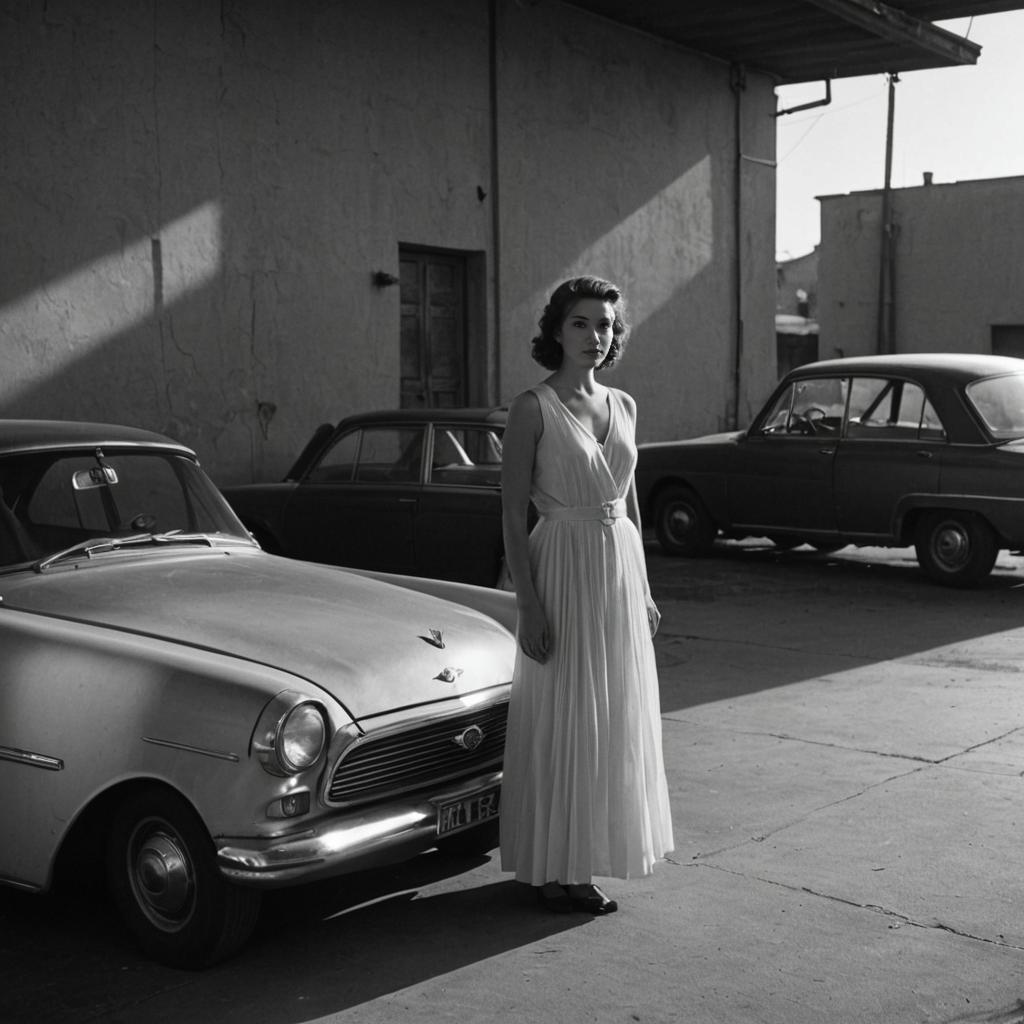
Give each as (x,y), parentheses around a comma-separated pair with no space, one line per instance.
(606,513)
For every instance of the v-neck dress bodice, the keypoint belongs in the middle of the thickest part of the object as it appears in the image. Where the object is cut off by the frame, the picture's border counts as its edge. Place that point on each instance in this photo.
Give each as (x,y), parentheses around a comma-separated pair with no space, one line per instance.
(584,791)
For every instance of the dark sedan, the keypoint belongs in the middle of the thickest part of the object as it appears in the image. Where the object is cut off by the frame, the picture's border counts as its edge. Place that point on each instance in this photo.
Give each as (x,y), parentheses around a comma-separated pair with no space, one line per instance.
(893,451)
(416,492)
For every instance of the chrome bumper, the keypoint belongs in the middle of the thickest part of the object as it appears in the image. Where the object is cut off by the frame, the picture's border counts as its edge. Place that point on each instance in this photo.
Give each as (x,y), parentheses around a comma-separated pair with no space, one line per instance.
(351,841)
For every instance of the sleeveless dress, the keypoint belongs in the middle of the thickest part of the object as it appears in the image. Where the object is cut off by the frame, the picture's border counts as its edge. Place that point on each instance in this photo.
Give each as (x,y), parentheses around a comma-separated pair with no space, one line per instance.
(584,790)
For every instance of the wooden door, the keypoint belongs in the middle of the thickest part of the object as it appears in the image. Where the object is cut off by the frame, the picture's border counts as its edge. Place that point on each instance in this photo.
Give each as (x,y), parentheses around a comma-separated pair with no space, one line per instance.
(433,331)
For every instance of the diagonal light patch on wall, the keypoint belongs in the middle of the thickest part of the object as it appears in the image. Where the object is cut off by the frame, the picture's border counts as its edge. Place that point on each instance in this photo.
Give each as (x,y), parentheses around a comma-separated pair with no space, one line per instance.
(44,332)
(660,247)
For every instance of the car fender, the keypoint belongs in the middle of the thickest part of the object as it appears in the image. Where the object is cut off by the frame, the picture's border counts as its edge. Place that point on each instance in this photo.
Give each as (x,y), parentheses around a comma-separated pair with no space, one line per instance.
(117,707)
(1005,515)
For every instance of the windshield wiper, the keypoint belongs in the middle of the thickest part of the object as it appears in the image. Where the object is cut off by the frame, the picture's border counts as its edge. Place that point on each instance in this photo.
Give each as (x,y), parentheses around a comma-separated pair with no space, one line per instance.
(96,545)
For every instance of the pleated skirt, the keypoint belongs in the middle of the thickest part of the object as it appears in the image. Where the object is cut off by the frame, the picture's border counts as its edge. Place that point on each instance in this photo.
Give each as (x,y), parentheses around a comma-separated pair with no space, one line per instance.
(584,791)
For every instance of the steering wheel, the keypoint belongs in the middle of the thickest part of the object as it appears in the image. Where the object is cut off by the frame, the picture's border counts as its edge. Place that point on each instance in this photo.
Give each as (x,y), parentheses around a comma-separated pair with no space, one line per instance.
(807,422)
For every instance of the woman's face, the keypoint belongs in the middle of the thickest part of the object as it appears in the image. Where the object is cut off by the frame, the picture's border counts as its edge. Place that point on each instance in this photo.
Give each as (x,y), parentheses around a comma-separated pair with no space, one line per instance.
(586,332)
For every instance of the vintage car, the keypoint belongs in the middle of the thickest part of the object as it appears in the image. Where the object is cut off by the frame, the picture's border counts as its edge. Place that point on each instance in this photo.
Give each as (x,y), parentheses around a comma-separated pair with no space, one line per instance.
(892,450)
(408,491)
(212,720)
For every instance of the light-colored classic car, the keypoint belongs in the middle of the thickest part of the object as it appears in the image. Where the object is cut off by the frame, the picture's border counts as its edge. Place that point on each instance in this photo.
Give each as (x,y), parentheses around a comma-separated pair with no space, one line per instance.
(217,719)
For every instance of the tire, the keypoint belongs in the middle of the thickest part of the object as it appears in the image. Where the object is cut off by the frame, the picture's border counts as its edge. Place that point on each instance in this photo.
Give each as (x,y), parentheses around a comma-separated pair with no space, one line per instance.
(474,842)
(682,523)
(163,875)
(957,549)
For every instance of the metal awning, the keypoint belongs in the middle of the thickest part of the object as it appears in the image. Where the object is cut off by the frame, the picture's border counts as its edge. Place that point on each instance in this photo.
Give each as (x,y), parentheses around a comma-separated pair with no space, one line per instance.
(808,40)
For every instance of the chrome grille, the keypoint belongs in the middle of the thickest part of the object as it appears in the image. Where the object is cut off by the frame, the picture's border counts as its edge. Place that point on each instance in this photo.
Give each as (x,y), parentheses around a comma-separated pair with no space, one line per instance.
(424,754)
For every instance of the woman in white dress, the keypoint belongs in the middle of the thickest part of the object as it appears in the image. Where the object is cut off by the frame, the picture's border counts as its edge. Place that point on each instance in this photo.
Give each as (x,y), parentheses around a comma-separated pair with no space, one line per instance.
(584,789)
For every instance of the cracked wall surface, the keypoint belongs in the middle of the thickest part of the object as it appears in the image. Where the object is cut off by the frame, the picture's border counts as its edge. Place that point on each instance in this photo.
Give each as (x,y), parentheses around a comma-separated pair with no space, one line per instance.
(194,196)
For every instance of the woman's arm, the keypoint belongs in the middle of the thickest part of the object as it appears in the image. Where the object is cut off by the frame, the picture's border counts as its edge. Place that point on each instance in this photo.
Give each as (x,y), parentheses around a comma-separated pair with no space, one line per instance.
(633,511)
(519,449)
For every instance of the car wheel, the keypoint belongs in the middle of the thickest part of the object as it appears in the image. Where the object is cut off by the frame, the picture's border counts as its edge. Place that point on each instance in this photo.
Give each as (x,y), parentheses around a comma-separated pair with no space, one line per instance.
(474,842)
(955,548)
(163,875)
(682,523)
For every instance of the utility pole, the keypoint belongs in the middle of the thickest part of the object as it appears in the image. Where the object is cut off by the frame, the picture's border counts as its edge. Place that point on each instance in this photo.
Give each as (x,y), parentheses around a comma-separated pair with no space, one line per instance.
(886,263)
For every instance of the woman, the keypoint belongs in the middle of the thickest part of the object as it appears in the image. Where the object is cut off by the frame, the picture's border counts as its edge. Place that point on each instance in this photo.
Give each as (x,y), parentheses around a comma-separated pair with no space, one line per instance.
(584,789)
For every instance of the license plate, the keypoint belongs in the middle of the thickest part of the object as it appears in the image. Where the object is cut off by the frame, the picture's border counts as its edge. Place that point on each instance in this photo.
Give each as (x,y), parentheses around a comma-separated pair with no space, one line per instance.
(457,815)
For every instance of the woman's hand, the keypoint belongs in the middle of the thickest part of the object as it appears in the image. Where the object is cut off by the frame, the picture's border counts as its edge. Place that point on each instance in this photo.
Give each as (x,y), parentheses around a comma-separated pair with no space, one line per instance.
(653,615)
(534,635)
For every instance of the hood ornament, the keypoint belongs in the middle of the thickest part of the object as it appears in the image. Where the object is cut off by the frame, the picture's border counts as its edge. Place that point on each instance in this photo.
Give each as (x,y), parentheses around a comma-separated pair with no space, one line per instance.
(449,675)
(435,639)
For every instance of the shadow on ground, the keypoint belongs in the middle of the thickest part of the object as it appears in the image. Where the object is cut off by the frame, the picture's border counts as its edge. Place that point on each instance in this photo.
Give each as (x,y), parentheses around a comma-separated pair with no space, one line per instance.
(317,950)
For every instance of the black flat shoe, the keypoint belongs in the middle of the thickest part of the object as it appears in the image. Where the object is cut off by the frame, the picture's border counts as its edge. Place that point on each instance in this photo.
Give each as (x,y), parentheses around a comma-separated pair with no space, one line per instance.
(593,901)
(555,898)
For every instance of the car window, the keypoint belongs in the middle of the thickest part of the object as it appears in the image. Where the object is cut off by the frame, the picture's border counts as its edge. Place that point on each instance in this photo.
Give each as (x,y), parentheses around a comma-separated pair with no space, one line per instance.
(372,455)
(808,408)
(78,493)
(999,401)
(52,500)
(883,409)
(466,456)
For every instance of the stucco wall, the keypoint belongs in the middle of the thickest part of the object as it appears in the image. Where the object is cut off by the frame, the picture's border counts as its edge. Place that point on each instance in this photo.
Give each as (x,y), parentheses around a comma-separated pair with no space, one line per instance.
(618,157)
(193,198)
(958,266)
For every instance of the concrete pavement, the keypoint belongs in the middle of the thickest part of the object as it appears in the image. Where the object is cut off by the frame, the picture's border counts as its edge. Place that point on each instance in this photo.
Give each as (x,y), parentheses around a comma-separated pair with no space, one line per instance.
(845,750)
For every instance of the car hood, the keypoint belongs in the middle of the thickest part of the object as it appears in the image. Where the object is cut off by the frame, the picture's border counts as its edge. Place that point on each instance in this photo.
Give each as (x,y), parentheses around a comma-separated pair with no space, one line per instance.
(371,645)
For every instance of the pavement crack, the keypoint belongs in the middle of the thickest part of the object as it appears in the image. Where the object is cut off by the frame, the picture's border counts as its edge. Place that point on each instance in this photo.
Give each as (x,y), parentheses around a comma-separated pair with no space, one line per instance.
(873,908)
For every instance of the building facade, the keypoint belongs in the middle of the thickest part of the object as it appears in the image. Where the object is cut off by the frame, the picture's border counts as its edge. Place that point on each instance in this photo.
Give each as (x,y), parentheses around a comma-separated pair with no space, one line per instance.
(233,222)
(955,269)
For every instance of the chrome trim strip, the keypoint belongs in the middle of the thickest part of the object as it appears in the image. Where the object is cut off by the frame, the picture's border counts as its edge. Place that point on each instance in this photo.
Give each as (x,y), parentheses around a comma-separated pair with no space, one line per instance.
(174,745)
(50,764)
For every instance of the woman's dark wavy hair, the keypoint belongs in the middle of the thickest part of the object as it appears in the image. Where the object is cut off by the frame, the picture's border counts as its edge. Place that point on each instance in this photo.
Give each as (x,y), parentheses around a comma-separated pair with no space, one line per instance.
(548,351)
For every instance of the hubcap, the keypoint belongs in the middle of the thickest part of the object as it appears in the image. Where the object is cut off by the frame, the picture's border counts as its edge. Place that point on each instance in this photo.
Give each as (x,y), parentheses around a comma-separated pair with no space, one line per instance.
(952,546)
(162,878)
(680,521)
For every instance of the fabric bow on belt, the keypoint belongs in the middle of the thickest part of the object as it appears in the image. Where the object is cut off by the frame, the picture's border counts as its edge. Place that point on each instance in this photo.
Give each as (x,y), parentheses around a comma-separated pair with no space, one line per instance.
(607,512)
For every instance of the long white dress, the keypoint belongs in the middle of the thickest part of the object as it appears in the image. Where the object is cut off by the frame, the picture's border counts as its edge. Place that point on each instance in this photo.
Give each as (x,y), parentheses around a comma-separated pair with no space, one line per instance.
(584,789)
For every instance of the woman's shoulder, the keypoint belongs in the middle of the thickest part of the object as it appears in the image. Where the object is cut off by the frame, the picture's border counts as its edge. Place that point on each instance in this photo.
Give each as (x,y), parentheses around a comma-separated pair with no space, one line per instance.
(626,400)
(525,410)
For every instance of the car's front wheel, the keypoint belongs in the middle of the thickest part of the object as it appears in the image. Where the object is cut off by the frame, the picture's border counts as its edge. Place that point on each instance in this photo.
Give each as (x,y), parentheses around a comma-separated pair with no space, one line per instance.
(682,523)
(955,548)
(163,875)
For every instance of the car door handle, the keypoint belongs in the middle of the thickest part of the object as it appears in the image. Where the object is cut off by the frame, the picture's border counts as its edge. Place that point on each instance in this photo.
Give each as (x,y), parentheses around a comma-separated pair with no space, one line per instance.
(924,454)
(406,501)
(826,451)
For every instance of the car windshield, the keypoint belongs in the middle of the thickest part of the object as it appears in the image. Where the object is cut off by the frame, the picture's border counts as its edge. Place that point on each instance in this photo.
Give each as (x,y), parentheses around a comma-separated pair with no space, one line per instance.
(51,501)
(999,401)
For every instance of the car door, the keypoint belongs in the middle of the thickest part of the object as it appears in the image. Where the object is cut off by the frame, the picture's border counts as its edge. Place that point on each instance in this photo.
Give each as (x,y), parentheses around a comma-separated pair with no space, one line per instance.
(357,505)
(780,474)
(891,447)
(458,520)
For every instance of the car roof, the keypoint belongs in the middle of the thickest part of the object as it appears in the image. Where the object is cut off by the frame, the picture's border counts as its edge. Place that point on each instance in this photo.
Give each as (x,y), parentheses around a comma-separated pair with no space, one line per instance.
(38,435)
(964,366)
(491,414)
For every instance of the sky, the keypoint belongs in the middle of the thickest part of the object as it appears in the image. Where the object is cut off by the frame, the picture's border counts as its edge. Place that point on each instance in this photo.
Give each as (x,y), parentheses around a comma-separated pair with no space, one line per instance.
(960,123)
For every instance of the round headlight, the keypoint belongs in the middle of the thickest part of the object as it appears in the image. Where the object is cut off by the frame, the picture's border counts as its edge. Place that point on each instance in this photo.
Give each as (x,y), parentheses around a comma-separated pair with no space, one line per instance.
(300,740)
